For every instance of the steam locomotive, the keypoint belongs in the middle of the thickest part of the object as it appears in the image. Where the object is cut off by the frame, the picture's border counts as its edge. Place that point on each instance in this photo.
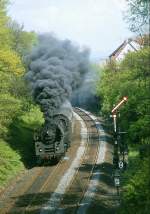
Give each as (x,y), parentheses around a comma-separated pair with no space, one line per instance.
(53,139)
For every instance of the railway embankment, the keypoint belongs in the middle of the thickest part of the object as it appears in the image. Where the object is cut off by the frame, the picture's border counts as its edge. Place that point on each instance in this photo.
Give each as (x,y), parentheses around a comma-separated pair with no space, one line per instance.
(17,148)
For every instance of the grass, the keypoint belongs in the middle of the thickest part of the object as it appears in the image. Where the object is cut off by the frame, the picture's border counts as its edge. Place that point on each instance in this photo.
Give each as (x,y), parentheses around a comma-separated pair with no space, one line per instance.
(17,149)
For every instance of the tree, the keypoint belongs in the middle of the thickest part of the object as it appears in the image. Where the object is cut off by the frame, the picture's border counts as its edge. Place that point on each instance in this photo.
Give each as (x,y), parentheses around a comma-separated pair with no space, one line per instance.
(130,78)
(10,62)
(136,194)
(5,39)
(14,43)
(138,15)
(22,41)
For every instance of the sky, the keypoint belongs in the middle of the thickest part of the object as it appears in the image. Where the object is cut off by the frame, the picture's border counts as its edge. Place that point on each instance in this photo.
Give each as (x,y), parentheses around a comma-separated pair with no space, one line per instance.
(96,24)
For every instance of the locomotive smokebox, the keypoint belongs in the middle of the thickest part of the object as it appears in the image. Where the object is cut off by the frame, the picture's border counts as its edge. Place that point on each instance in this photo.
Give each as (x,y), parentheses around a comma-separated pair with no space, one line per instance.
(53,139)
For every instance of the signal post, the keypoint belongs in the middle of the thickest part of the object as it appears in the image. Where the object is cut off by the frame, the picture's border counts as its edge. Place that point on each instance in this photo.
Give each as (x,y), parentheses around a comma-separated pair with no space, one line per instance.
(117,164)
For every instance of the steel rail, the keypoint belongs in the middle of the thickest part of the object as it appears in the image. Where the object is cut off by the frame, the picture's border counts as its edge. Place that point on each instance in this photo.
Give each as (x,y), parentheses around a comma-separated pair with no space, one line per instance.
(83,157)
(83,114)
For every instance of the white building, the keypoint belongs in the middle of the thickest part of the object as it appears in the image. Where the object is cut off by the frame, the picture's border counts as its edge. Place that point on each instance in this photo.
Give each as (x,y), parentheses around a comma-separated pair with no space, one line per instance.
(126,47)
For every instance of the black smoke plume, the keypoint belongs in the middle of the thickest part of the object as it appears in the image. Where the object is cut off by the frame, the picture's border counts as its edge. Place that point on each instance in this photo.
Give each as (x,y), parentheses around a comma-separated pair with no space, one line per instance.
(85,96)
(55,69)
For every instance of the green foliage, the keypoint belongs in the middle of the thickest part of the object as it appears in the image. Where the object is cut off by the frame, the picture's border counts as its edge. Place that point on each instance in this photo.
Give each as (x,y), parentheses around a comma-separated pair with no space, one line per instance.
(18,115)
(22,41)
(136,187)
(34,117)
(14,43)
(10,62)
(129,78)
(10,162)
(10,108)
(17,150)
(5,39)
(12,99)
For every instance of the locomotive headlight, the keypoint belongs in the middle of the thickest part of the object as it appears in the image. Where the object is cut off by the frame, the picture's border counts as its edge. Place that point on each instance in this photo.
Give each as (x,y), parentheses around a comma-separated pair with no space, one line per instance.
(40,150)
(57,148)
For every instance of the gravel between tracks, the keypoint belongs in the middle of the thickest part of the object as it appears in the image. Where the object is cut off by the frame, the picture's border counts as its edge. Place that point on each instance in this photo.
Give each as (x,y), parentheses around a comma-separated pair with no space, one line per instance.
(56,197)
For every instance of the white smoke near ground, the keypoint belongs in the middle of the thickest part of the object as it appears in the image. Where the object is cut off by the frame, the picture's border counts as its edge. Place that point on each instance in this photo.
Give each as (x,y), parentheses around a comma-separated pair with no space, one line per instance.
(55,69)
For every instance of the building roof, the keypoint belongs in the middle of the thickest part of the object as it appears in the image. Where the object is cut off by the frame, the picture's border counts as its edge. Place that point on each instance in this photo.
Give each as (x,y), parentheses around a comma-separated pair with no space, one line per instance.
(134,45)
(118,50)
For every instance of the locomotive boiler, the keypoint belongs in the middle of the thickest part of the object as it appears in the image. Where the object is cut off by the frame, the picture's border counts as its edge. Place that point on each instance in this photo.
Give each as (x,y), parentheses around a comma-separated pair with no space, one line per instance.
(54,137)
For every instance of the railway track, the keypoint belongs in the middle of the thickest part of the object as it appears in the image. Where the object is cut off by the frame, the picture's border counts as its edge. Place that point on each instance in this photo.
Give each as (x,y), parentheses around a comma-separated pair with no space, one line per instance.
(79,185)
(33,194)
(30,192)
